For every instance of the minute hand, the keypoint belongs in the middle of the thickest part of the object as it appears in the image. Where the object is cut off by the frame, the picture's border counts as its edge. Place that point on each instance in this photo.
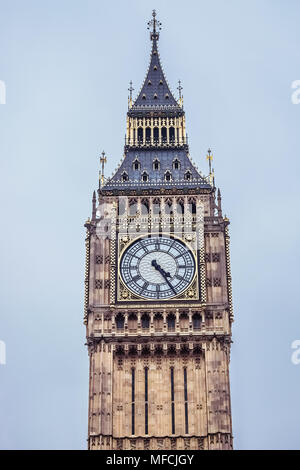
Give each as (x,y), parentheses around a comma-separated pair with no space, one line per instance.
(167,280)
(163,273)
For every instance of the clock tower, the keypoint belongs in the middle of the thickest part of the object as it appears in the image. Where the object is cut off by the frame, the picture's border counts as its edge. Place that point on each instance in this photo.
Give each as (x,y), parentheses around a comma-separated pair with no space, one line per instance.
(158,303)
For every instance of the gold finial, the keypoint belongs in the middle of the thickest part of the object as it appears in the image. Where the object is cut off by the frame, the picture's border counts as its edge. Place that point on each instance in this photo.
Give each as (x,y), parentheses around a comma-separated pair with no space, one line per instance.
(103,160)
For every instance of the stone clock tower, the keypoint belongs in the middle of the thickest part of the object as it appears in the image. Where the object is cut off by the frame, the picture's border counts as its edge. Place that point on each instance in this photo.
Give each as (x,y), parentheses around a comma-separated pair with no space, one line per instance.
(158,305)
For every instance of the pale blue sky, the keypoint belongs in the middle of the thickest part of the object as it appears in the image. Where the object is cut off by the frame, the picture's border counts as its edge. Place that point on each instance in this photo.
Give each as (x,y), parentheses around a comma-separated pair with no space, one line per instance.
(67,65)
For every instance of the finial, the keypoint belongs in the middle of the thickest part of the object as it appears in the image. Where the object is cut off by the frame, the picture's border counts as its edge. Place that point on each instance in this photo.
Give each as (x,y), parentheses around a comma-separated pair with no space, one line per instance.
(103,160)
(156,26)
(179,88)
(94,206)
(219,206)
(130,89)
(209,157)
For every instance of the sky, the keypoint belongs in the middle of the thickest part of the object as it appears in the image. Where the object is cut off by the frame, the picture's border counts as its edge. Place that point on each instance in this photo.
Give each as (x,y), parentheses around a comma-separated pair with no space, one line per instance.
(66,67)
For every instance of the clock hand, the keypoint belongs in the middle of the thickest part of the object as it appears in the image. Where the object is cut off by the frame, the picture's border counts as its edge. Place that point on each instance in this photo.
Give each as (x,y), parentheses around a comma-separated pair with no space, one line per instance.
(160,269)
(168,282)
(163,273)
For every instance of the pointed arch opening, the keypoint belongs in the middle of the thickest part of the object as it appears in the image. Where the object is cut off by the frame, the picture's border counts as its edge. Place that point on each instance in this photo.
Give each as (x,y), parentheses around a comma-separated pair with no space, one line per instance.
(148,134)
(156,164)
(180,206)
(176,164)
(192,205)
(136,164)
(168,176)
(140,134)
(144,206)
(188,175)
(145,176)
(125,176)
(171,133)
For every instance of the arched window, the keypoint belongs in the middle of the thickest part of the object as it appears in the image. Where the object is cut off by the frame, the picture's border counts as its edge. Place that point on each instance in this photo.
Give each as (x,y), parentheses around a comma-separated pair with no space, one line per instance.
(197,321)
(156,206)
(171,322)
(168,207)
(156,164)
(167,96)
(120,321)
(145,176)
(164,133)
(188,175)
(155,134)
(144,97)
(160,82)
(132,207)
(172,134)
(144,207)
(176,164)
(155,96)
(124,176)
(136,164)
(192,205)
(168,176)
(140,134)
(148,134)
(145,321)
(180,206)
(149,83)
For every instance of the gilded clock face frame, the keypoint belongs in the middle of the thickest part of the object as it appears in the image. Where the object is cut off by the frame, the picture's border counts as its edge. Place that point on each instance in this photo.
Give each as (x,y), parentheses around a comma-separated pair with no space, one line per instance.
(158,267)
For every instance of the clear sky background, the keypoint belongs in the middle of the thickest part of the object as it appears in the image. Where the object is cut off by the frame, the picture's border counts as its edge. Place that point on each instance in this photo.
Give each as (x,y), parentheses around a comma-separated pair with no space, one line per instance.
(66,65)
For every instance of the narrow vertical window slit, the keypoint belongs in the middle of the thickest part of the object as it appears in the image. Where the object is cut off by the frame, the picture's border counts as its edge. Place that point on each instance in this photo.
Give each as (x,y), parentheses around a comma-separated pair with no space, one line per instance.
(146,400)
(132,400)
(186,411)
(172,401)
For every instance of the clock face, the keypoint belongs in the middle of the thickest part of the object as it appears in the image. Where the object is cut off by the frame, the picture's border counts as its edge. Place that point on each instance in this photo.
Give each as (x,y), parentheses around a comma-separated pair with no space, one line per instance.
(157,267)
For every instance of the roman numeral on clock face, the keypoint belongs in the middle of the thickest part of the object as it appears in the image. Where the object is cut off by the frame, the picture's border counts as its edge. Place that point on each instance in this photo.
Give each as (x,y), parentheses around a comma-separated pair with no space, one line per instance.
(144,287)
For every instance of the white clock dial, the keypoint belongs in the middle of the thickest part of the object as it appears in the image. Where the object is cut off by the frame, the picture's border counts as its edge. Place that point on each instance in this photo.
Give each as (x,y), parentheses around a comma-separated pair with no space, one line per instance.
(157,267)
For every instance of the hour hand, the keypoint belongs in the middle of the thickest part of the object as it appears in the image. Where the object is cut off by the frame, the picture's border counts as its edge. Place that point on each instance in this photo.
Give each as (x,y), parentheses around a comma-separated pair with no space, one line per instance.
(158,268)
(154,263)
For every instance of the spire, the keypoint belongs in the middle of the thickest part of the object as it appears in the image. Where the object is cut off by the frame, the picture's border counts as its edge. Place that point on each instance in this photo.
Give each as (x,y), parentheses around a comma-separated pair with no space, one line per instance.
(94,206)
(179,88)
(209,157)
(130,89)
(103,160)
(155,90)
(219,207)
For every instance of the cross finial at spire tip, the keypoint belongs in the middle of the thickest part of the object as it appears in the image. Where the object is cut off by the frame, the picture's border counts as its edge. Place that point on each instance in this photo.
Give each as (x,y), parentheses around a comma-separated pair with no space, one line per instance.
(155,26)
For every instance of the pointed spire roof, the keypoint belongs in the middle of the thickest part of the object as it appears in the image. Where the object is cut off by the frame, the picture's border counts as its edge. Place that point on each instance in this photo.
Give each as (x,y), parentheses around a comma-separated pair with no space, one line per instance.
(155,90)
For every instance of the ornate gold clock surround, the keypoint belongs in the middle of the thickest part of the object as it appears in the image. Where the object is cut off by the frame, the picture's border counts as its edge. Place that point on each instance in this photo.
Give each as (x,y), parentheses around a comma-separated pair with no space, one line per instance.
(190,293)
